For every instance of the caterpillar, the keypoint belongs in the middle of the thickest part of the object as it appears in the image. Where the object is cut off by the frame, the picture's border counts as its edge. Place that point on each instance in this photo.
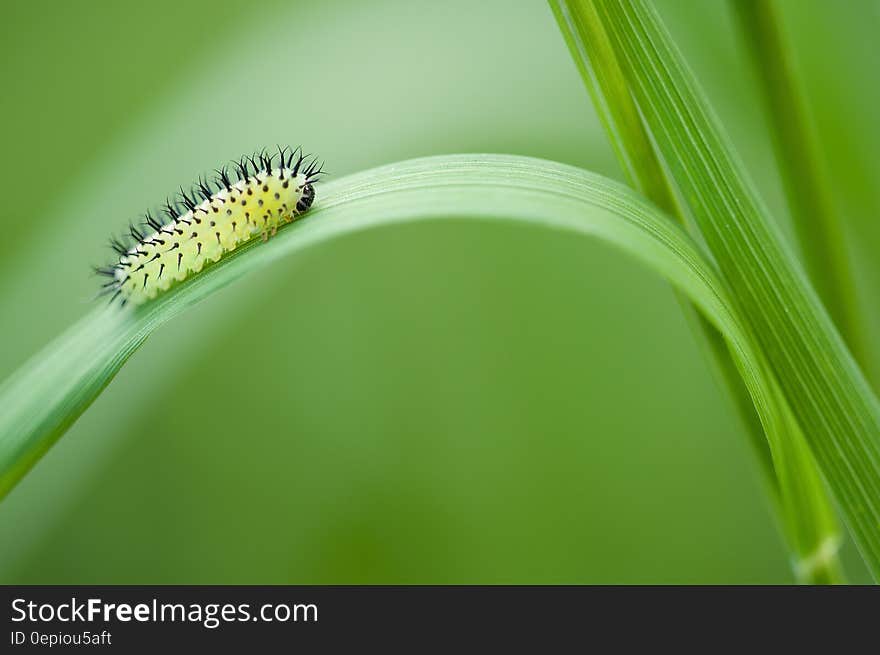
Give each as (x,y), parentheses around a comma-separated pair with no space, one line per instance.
(253,198)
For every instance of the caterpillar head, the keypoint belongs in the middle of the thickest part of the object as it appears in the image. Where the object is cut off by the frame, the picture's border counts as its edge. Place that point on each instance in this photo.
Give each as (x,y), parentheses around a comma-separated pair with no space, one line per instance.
(306,199)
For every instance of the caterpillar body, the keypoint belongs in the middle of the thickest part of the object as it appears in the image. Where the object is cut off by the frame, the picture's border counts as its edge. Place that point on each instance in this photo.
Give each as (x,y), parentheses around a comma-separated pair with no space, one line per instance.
(200,226)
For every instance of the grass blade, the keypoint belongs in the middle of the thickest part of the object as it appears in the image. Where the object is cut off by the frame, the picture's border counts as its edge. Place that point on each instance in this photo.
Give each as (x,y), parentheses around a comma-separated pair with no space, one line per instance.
(803,508)
(594,57)
(817,225)
(44,397)
(822,383)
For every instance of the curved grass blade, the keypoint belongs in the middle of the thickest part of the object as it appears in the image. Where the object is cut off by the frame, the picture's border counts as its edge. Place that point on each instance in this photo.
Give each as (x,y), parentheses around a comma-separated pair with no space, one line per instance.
(44,397)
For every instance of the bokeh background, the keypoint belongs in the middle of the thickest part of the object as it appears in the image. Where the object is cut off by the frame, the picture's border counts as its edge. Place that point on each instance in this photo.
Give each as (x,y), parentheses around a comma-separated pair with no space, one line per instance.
(422,404)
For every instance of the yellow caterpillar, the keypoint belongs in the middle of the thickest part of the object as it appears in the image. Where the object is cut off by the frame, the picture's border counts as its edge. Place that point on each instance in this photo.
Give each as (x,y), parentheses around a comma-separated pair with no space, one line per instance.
(209,222)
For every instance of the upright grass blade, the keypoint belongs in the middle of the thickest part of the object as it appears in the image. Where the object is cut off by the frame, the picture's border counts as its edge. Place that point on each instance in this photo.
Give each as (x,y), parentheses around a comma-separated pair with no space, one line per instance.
(822,383)
(817,225)
(594,57)
(804,510)
(44,397)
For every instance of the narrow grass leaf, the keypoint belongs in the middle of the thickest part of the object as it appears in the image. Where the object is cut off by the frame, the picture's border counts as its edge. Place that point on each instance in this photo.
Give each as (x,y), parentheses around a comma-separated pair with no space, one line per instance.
(802,506)
(825,388)
(817,224)
(49,392)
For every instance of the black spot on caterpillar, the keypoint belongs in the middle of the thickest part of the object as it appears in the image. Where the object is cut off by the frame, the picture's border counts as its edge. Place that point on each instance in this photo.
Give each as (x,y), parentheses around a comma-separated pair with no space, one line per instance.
(137,273)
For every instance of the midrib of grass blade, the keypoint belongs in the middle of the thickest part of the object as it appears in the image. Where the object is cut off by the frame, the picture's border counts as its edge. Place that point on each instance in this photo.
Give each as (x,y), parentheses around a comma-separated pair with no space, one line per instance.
(799,500)
(822,383)
(817,224)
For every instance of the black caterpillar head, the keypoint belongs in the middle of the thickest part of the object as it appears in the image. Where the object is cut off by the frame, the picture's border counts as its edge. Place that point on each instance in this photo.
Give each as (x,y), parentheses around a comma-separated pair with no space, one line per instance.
(308,197)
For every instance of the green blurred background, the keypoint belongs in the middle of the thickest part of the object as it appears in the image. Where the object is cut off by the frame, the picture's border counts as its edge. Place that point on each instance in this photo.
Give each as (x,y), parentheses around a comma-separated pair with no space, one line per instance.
(423,404)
